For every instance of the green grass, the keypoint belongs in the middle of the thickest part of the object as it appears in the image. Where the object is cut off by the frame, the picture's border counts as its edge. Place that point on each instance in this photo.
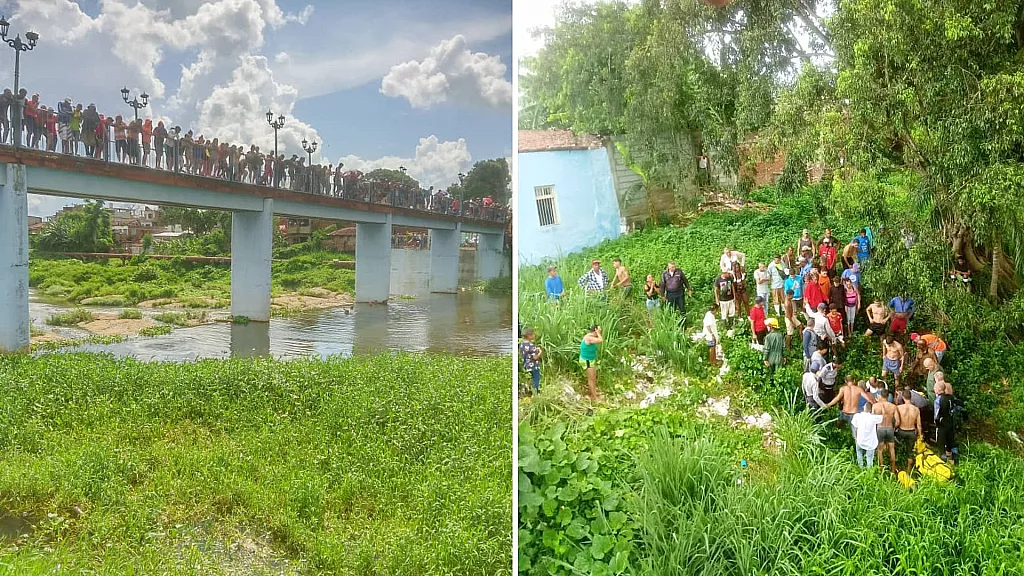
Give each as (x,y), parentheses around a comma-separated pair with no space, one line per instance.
(70,318)
(130,314)
(182,319)
(158,330)
(52,345)
(390,464)
(114,283)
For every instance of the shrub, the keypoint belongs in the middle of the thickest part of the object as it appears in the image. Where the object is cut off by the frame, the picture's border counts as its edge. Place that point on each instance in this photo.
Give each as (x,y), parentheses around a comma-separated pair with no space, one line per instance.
(130,314)
(70,318)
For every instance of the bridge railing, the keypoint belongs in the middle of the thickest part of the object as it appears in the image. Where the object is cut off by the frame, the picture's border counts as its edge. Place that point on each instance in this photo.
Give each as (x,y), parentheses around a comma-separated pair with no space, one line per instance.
(176,155)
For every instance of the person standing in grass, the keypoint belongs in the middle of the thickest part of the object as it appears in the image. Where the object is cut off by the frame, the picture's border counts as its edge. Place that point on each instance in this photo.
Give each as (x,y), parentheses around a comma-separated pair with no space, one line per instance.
(595,280)
(886,428)
(739,286)
(827,255)
(788,261)
(849,256)
(851,301)
(673,282)
(758,326)
(651,291)
(622,278)
(944,422)
(849,396)
(792,323)
(795,288)
(725,298)
(863,246)
(865,434)
(806,242)
(530,353)
(892,358)
(778,283)
(553,285)
(588,358)
(810,344)
(908,428)
(711,337)
(902,312)
(774,346)
(931,342)
(878,317)
(762,283)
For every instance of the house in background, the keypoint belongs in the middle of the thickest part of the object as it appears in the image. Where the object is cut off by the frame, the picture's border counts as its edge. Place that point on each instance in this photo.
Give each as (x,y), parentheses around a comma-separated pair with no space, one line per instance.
(572,189)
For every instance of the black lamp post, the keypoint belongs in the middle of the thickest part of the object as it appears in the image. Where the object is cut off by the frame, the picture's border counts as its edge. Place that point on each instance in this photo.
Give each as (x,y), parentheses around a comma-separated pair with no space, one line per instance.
(309,147)
(276,125)
(19,47)
(136,106)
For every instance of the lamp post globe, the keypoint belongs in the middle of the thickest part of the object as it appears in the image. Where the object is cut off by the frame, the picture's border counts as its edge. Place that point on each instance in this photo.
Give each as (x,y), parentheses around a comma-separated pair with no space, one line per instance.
(19,46)
(276,125)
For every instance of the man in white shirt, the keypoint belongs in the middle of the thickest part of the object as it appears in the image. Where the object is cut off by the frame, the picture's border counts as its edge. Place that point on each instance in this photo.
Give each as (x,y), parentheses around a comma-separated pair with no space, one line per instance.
(821,326)
(812,392)
(728,257)
(711,334)
(865,435)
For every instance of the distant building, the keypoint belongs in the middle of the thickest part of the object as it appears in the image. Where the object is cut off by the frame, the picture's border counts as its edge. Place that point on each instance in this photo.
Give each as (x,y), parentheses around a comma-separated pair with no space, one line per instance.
(569,193)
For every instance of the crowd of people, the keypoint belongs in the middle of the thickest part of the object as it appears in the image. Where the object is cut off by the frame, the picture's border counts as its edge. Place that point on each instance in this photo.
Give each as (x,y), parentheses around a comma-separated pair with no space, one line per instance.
(83,131)
(814,291)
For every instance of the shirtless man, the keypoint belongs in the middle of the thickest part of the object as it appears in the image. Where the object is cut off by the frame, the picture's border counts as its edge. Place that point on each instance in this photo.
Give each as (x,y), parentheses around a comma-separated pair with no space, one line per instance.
(850,395)
(908,429)
(892,358)
(878,317)
(792,324)
(621,279)
(850,254)
(886,429)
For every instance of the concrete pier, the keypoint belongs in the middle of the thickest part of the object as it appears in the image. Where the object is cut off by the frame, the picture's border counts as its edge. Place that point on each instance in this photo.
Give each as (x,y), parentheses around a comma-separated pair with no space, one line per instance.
(14,320)
(444,260)
(489,255)
(373,261)
(252,238)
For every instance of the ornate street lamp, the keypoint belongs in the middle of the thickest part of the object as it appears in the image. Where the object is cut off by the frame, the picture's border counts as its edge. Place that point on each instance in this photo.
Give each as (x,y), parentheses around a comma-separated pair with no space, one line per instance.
(134,102)
(276,125)
(19,47)
(309,147)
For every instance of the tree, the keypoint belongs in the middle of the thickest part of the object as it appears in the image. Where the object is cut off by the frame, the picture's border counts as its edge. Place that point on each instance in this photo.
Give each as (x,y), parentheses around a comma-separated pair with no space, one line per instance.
(488,178)
(388,175)
(84,230)
(199,222)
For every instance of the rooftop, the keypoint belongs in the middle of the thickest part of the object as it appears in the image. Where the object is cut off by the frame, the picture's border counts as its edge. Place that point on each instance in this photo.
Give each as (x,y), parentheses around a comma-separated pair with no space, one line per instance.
(556,140)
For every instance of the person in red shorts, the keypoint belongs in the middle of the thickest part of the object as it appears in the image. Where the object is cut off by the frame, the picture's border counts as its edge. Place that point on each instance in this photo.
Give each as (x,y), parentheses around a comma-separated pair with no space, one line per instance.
(902,311)
(758,328)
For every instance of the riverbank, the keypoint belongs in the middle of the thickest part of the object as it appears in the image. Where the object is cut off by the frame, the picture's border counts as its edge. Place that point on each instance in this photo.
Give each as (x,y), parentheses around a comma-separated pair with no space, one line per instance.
(387,464)
(302,282)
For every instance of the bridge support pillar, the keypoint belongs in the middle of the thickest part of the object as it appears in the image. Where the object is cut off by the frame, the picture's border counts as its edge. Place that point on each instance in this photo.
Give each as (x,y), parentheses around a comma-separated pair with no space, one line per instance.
(252,237)
(14,319)
(489,250)
(373,261)
(444,260)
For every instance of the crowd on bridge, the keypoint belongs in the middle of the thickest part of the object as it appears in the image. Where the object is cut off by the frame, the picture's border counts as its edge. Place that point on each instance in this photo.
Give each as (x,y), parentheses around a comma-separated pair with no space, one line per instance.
(814,290)
(82,131)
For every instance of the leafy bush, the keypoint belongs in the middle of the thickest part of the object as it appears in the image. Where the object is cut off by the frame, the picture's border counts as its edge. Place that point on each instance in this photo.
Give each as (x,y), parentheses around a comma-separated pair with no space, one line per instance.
(70,318)
(159,330)
(130,314)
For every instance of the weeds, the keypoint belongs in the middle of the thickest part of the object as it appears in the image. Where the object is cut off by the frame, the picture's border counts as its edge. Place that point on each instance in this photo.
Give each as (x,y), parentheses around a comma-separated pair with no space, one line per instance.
(70,318)
(159,330)
(130,314)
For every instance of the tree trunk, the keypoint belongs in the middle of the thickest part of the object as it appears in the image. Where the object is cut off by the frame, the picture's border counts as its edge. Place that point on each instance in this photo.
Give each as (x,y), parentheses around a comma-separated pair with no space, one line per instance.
(997,253)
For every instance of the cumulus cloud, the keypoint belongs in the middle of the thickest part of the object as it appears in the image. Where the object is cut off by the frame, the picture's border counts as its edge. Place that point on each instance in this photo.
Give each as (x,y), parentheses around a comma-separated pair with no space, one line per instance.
(435,163)
(451,73)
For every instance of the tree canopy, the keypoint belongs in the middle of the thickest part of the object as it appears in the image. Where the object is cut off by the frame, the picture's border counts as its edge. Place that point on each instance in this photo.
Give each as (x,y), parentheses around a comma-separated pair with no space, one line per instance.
(388,175)
(83,230)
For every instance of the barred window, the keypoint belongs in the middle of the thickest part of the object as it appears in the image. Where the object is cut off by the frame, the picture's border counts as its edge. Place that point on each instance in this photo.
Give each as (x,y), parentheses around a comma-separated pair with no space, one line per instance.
(547,205)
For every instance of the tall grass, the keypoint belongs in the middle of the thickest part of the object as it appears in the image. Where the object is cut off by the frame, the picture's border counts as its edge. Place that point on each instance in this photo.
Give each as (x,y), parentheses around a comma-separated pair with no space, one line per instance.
(390,464)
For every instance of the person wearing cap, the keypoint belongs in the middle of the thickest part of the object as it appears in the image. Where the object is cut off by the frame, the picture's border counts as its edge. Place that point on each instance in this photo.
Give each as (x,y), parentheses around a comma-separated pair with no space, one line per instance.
(819,318)
(595,280)
(805,242)
(931,342)
(774,346)
(553,285)
(758,326)
(827,254)
(853,275)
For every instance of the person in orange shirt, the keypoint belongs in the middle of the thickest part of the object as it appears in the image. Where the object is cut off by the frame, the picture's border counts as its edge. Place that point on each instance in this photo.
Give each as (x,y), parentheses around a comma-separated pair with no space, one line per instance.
(147,139)
(824,284)
(120,138)
(49,120)
(32,130)
(931,342)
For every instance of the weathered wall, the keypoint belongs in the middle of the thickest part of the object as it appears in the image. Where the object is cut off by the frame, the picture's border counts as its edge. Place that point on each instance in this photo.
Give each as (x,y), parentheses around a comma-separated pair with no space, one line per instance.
(410,272)
(587,207)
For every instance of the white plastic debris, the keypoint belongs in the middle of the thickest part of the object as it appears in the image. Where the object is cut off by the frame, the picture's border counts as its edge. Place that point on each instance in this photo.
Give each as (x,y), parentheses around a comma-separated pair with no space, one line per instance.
(1013,435)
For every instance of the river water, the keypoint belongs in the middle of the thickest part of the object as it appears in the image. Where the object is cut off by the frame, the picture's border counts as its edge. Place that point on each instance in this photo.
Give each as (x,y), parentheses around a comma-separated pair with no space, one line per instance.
(469,323)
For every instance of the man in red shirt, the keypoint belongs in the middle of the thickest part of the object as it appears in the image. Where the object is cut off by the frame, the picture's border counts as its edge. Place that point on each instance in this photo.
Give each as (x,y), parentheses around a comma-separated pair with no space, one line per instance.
(827,254)
(757,317)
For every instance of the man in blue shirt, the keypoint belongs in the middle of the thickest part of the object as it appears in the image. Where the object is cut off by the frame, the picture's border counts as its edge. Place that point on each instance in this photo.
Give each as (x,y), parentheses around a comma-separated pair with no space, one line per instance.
(863,246)
(553,284)
(903,310)
(853,274)
(795,284)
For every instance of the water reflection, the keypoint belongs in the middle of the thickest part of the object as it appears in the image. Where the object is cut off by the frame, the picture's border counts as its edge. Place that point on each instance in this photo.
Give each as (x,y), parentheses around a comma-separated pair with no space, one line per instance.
(469,323)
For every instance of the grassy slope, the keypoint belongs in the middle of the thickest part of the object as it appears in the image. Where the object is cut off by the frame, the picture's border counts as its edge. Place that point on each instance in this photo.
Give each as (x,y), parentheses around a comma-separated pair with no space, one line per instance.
(74,280)
(377,465)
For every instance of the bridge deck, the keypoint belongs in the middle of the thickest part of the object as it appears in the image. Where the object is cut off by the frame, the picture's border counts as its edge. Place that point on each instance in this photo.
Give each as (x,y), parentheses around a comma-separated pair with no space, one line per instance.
(169,188)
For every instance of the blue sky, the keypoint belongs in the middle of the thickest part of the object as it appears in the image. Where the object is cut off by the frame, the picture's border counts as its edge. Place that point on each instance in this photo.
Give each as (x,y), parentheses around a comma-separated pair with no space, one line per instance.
(379,84)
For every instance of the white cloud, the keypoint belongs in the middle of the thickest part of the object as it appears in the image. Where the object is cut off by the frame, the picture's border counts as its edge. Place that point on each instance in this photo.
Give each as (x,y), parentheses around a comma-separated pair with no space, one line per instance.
(434,163)
(452,72)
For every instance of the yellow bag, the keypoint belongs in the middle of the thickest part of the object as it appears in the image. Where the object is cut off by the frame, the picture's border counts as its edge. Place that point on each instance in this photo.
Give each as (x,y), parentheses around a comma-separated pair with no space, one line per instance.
(905,480)
(929,464)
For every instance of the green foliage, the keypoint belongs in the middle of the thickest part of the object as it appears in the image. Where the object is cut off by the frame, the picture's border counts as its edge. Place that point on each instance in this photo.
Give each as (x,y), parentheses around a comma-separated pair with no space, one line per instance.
(130,314)
(499,285)
(83,230)
(70,318)
(391,464)
(487,178)
(158,330)
(388,175)
(215,243)
(197,221)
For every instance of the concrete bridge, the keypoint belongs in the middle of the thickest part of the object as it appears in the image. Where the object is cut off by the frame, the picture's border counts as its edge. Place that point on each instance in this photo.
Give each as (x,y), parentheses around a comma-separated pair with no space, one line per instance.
(24,171)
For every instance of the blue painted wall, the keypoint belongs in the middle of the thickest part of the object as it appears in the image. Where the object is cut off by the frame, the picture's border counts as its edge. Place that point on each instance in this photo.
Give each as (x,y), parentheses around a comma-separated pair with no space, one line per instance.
(588,211)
